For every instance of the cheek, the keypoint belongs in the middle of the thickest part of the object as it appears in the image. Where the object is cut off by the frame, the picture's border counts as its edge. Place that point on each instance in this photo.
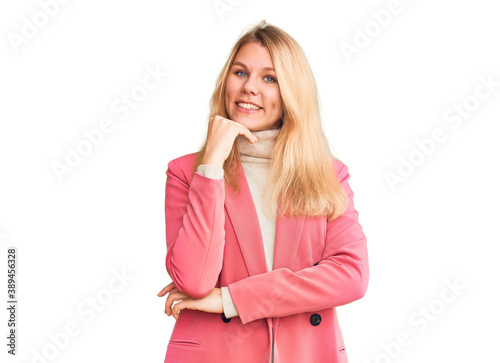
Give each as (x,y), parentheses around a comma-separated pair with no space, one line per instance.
(274,98)
(231,88)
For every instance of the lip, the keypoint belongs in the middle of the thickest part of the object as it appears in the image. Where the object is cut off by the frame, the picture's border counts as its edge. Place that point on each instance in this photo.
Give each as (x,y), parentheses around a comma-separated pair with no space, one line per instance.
(242,101)
(244,110)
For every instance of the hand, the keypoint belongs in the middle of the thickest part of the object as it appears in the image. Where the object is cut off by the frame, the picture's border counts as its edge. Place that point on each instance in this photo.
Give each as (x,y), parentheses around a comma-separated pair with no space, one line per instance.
(212,303)
(220,139)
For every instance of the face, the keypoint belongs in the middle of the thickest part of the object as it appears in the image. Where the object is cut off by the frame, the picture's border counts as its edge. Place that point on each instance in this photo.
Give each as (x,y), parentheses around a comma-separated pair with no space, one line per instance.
(253,96)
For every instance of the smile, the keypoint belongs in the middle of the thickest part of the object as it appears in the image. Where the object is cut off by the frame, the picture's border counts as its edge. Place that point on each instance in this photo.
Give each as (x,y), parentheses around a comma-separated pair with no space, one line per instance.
(248,106)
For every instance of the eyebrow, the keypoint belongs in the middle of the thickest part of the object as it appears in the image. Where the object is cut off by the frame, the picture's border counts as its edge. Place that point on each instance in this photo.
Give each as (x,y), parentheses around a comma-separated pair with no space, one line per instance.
(238,63)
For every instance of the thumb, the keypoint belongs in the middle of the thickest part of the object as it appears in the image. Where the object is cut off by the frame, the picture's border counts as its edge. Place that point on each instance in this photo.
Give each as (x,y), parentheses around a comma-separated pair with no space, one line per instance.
(176,309)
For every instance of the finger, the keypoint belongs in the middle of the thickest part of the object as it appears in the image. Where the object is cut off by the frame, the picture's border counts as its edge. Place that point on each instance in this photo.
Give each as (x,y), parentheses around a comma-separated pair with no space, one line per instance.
(168,307)
(247,133)
(168,304)
(166,289)
(251,137)
(176,310)
(172,297)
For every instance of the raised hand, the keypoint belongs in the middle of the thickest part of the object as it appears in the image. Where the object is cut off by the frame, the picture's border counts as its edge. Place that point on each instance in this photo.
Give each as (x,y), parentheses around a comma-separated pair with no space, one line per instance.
(220,139)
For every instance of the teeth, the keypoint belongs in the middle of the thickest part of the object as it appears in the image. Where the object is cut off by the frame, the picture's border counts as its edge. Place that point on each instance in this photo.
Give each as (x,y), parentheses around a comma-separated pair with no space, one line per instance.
(248,106)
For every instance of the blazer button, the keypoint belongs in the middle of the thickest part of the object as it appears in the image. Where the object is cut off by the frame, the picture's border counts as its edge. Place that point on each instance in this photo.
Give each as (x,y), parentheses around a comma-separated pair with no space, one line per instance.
(224,319)
(315,319)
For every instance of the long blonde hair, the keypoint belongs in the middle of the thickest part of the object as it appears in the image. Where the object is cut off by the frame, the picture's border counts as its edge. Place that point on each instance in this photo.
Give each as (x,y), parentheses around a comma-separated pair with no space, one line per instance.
(301,176)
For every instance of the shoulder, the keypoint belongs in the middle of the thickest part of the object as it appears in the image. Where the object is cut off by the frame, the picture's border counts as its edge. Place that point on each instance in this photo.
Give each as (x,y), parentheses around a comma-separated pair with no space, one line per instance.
(341,170)
(338,165)
(182,166)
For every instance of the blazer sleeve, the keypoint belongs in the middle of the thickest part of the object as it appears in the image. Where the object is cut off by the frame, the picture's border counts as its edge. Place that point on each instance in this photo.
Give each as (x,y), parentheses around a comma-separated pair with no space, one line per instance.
(194,223)
(339,278)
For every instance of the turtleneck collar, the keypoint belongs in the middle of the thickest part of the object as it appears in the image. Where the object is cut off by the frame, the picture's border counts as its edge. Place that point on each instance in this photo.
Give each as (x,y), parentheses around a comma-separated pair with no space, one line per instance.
(261,150)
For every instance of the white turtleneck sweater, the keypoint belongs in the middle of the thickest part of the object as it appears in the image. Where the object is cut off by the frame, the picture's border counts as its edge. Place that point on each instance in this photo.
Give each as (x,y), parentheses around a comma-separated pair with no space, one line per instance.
(254,159)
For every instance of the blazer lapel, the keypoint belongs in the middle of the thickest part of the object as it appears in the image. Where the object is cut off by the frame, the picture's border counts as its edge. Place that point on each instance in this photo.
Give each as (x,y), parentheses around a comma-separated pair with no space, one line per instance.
(243,215)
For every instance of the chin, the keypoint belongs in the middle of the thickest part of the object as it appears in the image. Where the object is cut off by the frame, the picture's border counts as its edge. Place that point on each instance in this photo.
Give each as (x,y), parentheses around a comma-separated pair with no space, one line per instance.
(249,124)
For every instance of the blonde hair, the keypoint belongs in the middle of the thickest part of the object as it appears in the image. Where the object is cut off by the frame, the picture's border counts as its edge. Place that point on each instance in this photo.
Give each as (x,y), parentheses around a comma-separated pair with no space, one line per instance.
(301,176)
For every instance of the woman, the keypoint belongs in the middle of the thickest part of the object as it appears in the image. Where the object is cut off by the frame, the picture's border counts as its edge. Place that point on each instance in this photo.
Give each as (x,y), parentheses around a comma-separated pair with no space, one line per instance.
(263,241)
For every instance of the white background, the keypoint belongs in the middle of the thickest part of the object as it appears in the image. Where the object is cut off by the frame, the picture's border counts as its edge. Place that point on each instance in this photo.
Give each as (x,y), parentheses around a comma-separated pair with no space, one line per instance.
(437,224)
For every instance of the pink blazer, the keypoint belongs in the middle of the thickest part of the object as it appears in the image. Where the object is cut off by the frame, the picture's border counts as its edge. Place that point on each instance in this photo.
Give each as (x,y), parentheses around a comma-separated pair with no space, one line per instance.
(214,240)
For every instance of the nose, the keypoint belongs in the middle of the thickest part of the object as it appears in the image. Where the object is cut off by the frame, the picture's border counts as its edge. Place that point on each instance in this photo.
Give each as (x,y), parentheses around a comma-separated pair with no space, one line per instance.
(250,86)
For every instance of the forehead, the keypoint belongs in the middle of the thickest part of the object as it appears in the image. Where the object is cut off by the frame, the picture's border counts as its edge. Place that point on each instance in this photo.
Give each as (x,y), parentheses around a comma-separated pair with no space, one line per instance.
(254,55)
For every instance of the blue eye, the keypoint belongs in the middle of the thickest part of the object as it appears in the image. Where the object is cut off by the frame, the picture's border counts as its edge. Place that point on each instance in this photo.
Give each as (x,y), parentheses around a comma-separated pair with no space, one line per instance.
(272,78)
(268,79)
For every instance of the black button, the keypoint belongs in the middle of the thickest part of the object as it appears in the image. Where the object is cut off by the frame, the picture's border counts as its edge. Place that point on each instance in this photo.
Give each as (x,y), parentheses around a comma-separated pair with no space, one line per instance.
(224,319)
(315,319)
(316,263)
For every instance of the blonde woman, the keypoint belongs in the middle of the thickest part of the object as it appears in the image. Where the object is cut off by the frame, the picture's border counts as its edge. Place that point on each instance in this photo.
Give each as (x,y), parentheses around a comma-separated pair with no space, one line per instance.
(263,240)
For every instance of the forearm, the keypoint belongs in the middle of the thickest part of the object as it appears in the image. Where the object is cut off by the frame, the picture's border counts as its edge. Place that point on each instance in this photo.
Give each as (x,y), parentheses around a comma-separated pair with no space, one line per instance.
(283,292)
(339,278)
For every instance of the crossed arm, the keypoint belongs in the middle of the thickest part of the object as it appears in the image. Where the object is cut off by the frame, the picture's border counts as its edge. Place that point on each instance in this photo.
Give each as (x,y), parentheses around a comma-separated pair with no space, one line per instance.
(195,213)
